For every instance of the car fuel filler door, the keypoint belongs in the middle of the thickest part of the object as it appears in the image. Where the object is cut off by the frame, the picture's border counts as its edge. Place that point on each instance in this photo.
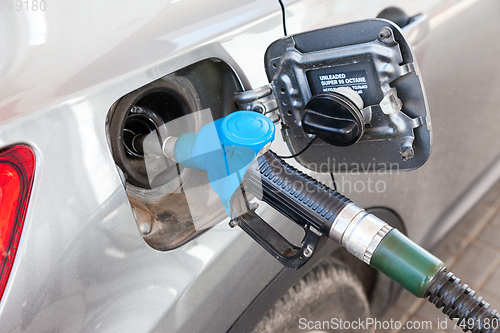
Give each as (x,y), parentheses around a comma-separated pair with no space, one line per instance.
(351,94)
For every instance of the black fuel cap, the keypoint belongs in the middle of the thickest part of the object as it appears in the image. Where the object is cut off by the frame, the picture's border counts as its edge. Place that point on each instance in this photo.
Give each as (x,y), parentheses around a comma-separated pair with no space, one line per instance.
(334,118)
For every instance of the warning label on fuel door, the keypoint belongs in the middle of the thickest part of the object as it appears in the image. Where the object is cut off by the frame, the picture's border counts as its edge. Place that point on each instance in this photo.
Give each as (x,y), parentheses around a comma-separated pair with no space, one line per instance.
(323,81)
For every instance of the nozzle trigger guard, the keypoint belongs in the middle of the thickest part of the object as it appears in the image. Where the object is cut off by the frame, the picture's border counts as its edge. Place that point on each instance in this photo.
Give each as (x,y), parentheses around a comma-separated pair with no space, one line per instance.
(288,254)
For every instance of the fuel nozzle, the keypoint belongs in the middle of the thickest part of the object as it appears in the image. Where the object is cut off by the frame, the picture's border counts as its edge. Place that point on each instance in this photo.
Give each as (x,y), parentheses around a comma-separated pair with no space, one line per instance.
(234,152)
(318,207)
(224,149)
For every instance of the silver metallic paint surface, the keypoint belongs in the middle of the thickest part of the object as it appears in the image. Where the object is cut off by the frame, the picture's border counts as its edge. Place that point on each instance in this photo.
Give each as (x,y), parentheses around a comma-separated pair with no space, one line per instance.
(82,264)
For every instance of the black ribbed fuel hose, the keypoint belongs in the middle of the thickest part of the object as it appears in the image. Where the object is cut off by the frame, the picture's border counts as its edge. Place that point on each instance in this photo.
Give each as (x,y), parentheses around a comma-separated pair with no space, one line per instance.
(461,302)
(294,194)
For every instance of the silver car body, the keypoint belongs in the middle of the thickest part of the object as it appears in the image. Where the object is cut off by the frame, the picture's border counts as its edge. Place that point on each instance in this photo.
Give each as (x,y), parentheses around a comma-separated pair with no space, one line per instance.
(82,264)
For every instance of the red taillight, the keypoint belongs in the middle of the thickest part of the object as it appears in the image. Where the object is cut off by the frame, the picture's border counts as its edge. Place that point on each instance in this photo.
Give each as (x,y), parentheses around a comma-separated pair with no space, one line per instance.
(17,166)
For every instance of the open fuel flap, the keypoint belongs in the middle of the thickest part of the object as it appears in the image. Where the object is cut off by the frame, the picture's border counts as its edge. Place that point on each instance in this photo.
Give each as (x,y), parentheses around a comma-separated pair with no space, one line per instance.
(348,97)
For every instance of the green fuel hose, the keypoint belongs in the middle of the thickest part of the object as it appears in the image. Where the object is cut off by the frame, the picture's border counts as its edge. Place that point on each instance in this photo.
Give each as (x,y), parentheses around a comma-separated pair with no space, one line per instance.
(406,263)
(424,275)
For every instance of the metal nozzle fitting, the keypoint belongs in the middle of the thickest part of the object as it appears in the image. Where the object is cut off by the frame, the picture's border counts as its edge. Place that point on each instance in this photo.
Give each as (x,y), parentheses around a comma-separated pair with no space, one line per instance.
(359,232)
